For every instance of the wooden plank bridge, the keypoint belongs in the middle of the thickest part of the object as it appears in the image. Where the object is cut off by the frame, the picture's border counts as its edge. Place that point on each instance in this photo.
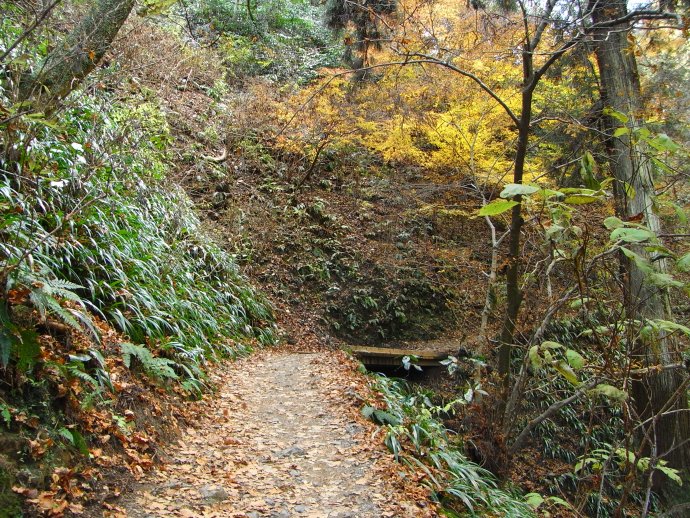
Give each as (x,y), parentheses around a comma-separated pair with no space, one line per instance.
(390,357)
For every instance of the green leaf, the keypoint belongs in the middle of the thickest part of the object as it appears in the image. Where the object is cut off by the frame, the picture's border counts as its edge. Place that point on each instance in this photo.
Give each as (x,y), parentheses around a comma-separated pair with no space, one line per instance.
(518,189)
(80,442)
(567,372)
(662,142)
(5,414)
(578,303)
(630,192)
(639,261)
(559,501)
(610,392)
(534,357)
(623,130)
(587,165)
(664,280)
(671,473)
(631,235)
(368,411)
(534,500)
(384,418)
(497,207)
(551,345)
(549,193)
(683,264)
(619,116)
(613,222)
(581,199)
(575,359)
(670,326)
(67,435)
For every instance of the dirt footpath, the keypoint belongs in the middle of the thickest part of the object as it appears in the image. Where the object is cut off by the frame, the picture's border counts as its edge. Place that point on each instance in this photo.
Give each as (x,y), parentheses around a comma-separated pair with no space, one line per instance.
(281,438)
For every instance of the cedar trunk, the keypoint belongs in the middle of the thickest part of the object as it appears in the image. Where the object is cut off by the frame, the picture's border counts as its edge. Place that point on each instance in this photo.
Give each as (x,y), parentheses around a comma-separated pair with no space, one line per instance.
(658,392)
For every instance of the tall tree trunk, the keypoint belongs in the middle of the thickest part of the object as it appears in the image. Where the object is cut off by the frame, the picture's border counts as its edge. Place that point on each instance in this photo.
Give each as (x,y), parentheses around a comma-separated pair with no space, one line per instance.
(70,62)
(513,292)
(653,392)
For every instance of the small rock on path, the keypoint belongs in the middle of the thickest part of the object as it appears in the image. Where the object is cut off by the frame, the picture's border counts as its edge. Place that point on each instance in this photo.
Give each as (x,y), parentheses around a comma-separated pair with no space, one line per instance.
(282,438)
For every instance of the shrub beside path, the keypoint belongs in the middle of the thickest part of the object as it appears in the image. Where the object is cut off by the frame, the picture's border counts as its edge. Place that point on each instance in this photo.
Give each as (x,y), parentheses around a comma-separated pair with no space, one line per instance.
(282,437)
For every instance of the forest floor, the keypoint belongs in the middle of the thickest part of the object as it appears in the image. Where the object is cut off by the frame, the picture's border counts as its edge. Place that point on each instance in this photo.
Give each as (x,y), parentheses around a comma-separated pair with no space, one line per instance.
(282,436)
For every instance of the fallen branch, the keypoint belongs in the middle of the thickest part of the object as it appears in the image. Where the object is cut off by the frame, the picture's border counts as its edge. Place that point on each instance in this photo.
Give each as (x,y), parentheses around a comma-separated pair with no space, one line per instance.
(217,159)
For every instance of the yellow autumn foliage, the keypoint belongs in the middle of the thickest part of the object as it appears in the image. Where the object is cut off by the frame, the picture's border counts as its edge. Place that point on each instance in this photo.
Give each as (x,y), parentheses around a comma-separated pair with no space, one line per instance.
(432,118)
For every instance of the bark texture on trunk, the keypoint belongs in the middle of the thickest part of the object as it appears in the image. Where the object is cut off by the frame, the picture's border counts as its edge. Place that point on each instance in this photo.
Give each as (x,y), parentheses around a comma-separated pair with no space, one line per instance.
(630,165)
(74,58)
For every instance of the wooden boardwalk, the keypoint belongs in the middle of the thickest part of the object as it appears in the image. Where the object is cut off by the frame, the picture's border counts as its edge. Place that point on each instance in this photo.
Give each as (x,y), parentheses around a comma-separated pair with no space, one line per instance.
(390,357)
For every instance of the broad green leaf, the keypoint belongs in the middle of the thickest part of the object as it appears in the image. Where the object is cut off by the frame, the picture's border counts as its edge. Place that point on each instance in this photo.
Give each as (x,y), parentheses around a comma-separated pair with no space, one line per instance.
(669,326)
(80,442)
(554,230)
(5,414)
(518,189)
(382,417)
(587,171)
(67,435)
(610,392)
(559,501)
(630,192)
(643,133)
(575,359)
(639,261)
(613,222)
(581,199)
(683,264)
(534,500)
(579,191)
(578,303)
(631,235)
(551,345)
(622,117)
(497,207)
(626,455)
(671,473)
(664,280)
(549,193)
(567,372)
(623,130)
(662,142)
(534,357)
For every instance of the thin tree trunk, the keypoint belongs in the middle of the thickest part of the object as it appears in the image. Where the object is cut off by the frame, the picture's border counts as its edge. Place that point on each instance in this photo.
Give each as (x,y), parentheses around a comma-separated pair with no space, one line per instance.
(65,67)
(513,292)
(631,168)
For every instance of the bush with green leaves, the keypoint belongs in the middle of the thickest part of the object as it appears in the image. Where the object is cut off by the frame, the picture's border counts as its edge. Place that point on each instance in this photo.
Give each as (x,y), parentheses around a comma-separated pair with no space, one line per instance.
(416,436)
(88,226)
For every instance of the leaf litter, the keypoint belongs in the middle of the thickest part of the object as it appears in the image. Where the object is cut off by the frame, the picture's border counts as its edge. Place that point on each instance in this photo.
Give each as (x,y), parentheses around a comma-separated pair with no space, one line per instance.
(281,437)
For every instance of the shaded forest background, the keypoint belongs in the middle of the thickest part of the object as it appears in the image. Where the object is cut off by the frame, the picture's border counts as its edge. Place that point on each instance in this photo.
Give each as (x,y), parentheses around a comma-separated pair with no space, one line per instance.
(225,176)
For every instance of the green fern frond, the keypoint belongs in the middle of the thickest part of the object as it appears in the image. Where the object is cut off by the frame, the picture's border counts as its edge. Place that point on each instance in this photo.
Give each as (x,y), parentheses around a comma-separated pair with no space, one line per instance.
(155,367)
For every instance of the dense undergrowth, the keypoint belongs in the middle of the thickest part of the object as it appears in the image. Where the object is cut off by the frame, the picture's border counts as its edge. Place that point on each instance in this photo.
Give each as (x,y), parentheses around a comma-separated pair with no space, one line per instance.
(416,435)
(93,237)
(87,221)
(354,204)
